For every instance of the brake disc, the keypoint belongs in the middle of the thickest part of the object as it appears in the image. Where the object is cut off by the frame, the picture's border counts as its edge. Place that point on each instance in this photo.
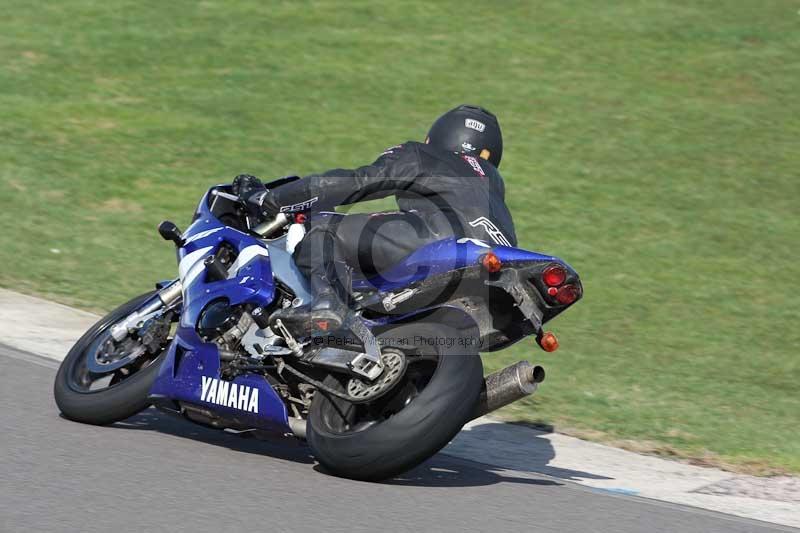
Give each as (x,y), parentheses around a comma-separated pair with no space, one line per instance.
(394,363)
(106,355)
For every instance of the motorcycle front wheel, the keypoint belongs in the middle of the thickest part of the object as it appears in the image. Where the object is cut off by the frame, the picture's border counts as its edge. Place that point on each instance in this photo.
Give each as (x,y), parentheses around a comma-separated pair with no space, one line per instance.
(419,416)
(105,398)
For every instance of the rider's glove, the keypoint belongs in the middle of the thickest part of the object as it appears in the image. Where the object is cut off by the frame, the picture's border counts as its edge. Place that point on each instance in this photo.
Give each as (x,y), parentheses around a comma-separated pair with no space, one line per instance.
(259,201)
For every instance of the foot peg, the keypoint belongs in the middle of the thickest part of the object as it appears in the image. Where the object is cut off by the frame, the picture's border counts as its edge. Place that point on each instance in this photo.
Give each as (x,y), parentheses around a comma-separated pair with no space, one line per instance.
(366,366)
(294,346)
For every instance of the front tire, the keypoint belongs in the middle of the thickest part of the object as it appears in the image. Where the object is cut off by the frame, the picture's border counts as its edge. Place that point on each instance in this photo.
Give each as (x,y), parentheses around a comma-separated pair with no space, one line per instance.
(440,402)
(123,398)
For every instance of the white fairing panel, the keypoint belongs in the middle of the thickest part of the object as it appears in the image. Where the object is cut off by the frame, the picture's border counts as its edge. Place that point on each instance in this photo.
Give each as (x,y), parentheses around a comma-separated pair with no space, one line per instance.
(192,265)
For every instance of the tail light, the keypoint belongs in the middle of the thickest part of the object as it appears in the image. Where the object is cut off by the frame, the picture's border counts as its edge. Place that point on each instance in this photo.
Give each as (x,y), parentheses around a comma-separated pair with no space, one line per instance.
(567,294)
(554,275)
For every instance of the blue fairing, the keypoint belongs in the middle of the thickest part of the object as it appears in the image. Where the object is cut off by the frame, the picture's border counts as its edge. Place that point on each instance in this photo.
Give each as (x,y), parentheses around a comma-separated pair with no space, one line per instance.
(189,358)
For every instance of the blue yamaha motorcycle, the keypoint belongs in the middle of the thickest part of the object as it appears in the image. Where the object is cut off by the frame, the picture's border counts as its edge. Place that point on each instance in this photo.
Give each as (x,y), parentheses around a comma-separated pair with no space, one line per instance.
(374,399)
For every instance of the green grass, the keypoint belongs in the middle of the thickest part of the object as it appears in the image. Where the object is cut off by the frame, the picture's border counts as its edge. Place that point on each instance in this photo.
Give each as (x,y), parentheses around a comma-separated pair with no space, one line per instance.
(651,143)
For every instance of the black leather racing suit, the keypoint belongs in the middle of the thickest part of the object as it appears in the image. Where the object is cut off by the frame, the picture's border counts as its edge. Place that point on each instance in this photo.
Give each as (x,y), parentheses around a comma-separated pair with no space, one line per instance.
(440,195)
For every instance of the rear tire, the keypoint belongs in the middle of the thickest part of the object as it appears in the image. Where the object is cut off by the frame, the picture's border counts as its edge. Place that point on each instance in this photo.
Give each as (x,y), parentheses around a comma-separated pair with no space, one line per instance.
(118,402)
(426,423)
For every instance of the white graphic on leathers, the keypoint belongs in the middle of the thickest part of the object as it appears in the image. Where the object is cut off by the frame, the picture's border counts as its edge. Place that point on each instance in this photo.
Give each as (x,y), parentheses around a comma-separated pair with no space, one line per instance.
(494,233)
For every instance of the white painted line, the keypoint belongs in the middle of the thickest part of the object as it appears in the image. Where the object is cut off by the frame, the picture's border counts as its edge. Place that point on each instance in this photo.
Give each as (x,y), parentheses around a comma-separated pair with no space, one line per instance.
(47,329)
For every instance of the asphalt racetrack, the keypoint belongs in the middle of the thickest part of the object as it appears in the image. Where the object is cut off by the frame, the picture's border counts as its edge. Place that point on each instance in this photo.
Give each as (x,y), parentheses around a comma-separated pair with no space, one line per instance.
(155,472)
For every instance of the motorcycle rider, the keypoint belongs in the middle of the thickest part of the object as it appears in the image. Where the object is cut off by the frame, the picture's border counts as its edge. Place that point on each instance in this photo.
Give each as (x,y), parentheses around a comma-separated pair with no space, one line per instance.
(448,186)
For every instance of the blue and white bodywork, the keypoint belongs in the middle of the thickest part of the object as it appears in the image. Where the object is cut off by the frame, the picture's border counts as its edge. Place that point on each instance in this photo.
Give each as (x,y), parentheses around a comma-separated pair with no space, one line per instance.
(190,374)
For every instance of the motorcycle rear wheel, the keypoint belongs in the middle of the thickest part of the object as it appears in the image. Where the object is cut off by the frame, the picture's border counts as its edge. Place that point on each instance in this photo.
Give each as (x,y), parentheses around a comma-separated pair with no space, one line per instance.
(412,422)
(76,392)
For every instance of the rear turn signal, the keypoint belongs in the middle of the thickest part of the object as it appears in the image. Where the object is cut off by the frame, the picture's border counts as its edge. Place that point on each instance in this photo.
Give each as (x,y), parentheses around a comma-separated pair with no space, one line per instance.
(554,275)
(491,263)
(548,342)
(567,294)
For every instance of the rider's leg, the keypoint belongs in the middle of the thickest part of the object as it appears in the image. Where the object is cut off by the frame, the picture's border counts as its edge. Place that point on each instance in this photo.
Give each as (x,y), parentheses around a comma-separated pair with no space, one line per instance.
(368,243)
(319,257)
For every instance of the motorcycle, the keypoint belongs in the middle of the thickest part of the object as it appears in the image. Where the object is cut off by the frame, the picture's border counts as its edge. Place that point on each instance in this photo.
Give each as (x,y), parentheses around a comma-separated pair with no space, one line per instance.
(374,399)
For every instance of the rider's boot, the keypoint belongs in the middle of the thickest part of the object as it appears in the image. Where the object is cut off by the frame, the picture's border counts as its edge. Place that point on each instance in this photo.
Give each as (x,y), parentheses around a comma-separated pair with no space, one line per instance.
(325,313)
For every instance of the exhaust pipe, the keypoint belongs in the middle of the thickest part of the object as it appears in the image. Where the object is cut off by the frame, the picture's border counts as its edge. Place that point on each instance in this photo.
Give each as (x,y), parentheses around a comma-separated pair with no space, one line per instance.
(507,386)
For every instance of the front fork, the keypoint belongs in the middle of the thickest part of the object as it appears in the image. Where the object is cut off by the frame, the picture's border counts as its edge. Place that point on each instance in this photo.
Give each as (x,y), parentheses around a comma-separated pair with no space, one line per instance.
(168,297)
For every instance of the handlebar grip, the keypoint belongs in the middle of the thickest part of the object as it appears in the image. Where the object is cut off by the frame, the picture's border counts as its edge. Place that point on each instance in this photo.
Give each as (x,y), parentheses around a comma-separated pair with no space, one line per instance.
(268,227)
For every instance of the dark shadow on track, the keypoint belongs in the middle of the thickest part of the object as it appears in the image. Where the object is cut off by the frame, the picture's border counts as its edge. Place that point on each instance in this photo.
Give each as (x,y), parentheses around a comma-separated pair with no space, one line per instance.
(258,443)
(439,471)
(533,452)
(445,471)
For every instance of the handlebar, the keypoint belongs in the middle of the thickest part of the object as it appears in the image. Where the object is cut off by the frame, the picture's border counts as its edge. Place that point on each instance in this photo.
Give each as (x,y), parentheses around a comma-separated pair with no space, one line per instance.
(268,227)
(264,229)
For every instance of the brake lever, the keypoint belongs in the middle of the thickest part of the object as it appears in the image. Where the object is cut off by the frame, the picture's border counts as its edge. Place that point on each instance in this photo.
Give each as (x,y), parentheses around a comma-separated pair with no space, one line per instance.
(264,229)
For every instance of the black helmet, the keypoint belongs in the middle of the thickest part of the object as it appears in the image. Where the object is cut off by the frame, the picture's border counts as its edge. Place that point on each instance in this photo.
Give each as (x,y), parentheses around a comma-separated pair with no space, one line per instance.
(470,130)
